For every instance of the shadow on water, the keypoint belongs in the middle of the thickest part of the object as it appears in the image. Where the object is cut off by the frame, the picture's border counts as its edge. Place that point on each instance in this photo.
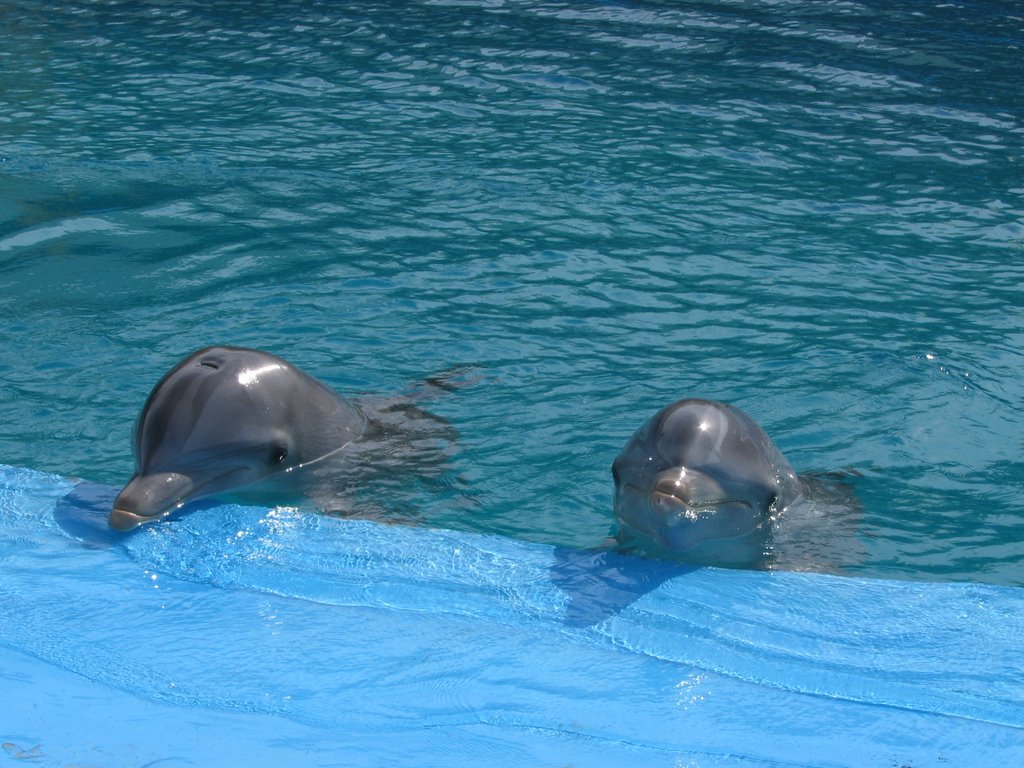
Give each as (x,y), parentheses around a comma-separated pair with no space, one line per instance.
(83,513)
(601,583)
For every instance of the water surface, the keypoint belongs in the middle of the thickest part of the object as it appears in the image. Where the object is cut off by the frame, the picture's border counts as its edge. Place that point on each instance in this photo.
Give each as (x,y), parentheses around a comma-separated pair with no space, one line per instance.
(812,210)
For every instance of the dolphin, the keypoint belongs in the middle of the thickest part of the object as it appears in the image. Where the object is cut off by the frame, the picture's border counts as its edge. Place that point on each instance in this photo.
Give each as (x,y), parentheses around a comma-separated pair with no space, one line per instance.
(703,482)
(229,418)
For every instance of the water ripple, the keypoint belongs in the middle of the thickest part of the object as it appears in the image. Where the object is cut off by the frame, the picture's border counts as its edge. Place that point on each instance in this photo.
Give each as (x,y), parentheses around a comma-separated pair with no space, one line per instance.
(811,209)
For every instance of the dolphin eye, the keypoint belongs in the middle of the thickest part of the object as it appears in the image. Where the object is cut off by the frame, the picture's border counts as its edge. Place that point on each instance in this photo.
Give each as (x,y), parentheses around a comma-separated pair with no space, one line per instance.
(278,454)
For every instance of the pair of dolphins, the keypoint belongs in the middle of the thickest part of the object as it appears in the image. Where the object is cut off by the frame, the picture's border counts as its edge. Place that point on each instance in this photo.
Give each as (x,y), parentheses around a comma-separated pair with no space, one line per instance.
(699,477)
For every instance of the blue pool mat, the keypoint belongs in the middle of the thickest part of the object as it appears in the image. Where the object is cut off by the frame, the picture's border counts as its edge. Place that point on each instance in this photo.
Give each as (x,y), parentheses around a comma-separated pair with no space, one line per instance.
(245,636)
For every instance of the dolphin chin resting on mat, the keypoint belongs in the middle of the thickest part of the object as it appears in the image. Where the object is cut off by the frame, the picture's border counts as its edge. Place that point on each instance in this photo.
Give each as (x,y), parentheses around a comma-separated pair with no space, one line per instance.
(229,418)
(702,482)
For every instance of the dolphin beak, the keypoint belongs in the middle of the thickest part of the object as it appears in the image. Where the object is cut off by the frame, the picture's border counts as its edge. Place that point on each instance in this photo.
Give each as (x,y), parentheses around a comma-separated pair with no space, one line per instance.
(123,520)
(672,509)
(147,498)
(681,493)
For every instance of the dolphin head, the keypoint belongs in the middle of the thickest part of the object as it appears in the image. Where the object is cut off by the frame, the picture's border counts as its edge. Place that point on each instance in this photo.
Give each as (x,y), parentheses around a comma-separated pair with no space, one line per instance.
(225,418)
(703,480)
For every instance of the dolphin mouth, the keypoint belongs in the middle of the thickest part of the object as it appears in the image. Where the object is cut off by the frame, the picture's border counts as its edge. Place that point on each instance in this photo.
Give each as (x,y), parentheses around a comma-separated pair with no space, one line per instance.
(678,509)
(149,497)
(123,520)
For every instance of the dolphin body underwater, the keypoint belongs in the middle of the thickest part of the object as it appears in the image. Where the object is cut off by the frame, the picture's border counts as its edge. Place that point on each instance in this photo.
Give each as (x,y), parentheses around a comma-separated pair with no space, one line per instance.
(229,419)
(701,481)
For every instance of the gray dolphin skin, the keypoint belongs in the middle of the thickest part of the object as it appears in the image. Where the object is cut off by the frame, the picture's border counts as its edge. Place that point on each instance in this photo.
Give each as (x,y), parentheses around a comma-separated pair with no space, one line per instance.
(702,480)
(226,418)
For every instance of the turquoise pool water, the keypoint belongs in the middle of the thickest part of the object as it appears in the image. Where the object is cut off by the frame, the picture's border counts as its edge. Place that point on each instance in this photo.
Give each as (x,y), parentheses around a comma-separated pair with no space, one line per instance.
(813,210)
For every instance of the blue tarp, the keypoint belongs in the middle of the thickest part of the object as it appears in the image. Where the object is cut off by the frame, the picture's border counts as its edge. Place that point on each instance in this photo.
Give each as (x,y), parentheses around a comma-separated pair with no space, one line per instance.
(245,636)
